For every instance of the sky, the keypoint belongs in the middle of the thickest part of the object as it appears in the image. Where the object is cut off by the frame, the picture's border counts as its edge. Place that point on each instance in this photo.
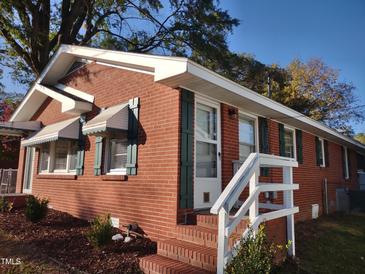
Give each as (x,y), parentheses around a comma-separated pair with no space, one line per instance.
(281,30)
(277,31)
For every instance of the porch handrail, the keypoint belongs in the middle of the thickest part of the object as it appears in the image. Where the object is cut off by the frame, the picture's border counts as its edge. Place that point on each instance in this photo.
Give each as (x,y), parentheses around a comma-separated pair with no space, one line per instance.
(248,173)
(237,184)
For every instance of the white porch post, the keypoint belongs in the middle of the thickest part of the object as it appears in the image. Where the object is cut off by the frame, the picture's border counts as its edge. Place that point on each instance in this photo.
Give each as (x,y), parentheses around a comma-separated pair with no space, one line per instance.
(289,203)
(223,217)
(254,208)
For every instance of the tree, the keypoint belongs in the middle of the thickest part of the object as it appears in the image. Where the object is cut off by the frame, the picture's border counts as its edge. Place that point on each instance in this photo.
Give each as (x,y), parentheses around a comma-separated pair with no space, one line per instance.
(9,146)
(312,88)
(315,90)
(33,30)
(360,137)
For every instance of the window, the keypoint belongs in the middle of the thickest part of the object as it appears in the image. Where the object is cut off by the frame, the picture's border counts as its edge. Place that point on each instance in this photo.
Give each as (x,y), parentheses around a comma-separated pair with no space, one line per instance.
(320,153)
(206,141)
(116,154)
(61,150)
(247,134)
(58,157)
(346,163)
(289,143)
(44,158)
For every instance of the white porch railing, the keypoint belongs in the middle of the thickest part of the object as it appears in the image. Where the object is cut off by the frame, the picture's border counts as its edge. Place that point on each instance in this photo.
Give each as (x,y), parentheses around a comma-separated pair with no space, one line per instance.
(248,173)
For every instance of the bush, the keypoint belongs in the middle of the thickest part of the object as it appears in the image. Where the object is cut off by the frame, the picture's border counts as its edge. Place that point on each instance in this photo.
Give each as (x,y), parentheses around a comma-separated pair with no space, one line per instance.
(5,205)
(36,209)
(254,255)
(101,231)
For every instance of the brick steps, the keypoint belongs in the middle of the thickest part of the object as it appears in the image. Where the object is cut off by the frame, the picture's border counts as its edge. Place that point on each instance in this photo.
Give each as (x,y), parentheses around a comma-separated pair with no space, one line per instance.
(202,235)
(211,221)
(193,251)
(193,254)
(156,264)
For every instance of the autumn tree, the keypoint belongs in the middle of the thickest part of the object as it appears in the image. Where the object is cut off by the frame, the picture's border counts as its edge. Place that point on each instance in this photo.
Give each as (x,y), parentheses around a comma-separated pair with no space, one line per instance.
(34,29)
(9,146)
(360,137)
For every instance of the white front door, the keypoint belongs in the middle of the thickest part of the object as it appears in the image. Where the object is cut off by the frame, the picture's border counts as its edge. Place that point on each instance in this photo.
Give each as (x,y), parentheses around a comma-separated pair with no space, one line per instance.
(207,183)
(28,170)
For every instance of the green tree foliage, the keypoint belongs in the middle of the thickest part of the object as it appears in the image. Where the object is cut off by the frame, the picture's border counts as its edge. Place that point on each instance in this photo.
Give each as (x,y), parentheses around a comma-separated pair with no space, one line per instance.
(33,30)
(360,137)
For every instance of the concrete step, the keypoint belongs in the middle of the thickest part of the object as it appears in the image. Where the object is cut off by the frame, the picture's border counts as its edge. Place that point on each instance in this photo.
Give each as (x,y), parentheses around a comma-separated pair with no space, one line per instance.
(156,264)
(189,253)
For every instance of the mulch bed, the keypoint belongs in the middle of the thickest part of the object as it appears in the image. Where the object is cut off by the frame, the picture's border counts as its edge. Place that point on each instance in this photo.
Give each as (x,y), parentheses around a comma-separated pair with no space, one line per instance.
(63,238)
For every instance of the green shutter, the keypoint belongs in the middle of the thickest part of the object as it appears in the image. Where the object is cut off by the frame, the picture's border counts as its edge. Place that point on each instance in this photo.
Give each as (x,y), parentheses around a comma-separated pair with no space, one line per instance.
(318,151)
(186,149)
(360,161)
(263,135)
(343,162)
(326,153)
(281,140)
(299,143)
(80,149)
(80,156)
(98,155)
(349,162)
(132,149)
(264,142)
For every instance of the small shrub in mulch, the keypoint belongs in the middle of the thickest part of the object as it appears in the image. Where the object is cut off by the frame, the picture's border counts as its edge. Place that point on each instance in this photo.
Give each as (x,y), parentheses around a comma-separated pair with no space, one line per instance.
(5,205)
(36,209)
(101,231)
(64,238)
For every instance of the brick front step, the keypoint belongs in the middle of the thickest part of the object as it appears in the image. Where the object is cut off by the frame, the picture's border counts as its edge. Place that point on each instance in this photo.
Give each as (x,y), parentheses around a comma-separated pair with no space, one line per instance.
(156,264)
(189,253)
(211,221)
(201,235)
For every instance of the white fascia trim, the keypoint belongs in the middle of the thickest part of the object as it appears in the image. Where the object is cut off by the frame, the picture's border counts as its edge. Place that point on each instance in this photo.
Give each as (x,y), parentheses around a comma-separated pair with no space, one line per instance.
(68,104)
(208,75)
(162,66)
(33,88)
(83,95)
(23,102)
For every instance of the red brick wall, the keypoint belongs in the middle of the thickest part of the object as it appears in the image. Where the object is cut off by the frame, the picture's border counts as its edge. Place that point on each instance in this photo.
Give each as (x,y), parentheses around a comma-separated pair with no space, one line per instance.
(308,175)
(229,141)
(150,198)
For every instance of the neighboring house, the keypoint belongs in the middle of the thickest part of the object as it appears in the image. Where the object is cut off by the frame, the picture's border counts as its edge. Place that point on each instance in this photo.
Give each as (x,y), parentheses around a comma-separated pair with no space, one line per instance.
(154,140)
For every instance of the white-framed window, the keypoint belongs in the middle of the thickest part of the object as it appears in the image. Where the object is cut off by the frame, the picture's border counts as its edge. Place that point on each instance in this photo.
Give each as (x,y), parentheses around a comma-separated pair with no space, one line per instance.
(58,157)
(346,162)
(321,153)
(247,136)
(44,158)
(290,142)
(116,155)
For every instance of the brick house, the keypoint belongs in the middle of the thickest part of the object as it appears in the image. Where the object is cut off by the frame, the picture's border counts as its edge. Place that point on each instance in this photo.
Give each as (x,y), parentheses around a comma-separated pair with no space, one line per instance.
(160,141)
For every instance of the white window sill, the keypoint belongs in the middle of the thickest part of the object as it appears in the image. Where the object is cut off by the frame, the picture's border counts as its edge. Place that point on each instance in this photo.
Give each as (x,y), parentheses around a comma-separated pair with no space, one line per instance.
(117,173)
(56,173)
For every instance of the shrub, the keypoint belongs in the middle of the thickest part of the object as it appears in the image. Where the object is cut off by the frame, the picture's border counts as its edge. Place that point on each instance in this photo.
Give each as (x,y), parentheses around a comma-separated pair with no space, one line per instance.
(36,209)
(101,231)
(5,205)
(254,255)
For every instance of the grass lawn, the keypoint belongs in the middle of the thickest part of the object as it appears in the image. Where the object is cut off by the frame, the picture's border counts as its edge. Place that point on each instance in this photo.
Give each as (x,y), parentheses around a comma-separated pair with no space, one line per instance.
(331,244)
